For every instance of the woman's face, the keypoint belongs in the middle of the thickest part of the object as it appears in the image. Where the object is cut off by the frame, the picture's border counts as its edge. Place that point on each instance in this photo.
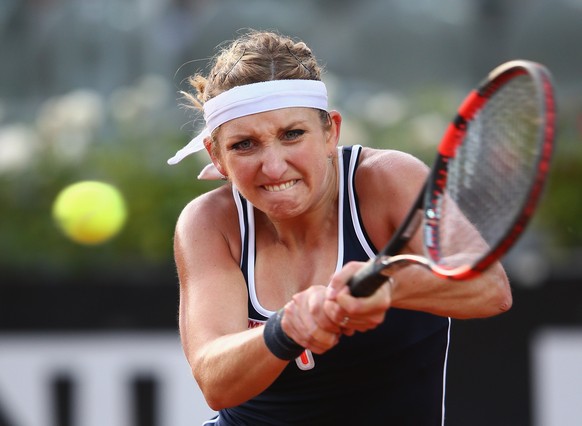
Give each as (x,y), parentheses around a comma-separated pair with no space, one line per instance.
(280,160)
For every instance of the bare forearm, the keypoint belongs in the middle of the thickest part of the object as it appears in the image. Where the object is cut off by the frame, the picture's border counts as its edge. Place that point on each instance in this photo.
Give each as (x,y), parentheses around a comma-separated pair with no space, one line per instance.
(234,368)
(416,288)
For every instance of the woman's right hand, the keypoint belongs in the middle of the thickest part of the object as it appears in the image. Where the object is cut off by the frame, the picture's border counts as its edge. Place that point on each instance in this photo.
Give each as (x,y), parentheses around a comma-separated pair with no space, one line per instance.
(305,321)
(356,313)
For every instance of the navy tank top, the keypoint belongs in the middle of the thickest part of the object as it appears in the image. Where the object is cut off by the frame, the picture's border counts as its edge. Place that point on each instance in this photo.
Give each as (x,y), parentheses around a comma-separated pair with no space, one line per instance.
(394,374)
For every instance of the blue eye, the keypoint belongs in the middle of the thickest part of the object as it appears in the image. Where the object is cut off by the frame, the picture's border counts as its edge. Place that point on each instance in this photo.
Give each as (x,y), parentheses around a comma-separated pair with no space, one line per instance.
(293,134)
(242,145)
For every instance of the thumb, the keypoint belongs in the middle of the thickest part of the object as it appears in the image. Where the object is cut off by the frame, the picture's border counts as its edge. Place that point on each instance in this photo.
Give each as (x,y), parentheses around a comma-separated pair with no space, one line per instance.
(339,280)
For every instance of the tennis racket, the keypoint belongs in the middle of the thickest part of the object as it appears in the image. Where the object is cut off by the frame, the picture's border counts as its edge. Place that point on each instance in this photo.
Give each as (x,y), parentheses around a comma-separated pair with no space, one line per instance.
(485,183)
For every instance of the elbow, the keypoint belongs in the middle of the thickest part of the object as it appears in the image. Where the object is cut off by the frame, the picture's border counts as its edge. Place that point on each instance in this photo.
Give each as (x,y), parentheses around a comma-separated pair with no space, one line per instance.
(207,382)
(505,302)
(216,396)
(219,400)
(215,403)
(215,400)
(505,298)
(500,300)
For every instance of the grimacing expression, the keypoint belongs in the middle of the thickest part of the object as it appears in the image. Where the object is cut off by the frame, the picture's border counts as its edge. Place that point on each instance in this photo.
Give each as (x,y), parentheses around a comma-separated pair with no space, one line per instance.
(279,160)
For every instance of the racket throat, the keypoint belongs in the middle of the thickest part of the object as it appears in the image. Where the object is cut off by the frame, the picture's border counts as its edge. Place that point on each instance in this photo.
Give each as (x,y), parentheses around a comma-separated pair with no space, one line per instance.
(392,264)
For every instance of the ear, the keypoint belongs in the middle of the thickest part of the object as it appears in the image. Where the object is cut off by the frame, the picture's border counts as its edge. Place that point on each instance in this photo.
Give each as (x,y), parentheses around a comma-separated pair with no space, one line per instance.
(334,130)
(215,160)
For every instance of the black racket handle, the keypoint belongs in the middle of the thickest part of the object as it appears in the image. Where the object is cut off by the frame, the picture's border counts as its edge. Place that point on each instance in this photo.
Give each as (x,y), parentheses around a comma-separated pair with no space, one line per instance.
(366,281)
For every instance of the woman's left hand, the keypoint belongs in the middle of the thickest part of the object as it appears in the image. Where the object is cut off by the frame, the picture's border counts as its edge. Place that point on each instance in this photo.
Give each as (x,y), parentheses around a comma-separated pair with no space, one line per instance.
(351,313)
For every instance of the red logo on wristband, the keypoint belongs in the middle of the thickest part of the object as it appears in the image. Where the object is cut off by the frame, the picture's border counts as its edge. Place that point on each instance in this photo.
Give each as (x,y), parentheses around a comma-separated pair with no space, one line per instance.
(305,361)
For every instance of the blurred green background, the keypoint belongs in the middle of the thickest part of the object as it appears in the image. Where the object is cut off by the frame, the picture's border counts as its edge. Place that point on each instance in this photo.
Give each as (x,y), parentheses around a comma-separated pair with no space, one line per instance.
(89,90)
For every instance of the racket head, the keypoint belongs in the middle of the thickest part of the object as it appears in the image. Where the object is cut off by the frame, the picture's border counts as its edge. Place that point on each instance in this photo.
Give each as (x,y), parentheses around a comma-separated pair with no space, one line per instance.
(490,170)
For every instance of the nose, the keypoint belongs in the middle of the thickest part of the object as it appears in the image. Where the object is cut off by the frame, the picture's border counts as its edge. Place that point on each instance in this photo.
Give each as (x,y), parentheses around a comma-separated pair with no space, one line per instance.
(274,163)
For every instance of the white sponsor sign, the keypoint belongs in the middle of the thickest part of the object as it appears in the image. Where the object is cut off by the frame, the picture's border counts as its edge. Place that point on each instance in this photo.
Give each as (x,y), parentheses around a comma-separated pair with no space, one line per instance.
(557,377)
(101,368)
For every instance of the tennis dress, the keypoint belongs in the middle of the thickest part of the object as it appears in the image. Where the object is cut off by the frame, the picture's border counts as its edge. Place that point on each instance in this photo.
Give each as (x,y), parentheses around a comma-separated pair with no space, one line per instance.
(392,375)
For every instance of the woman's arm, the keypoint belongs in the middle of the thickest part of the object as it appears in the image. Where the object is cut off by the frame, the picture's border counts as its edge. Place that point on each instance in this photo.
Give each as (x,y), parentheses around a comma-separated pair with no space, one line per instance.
(418,289)
(229,361)
(388,183)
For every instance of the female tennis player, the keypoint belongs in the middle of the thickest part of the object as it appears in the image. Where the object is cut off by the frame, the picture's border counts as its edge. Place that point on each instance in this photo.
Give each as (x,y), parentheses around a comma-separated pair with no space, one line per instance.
(267,322)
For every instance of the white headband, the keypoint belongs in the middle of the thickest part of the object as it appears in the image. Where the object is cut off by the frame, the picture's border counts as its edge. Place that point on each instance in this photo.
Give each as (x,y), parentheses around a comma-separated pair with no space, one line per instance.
(252,99)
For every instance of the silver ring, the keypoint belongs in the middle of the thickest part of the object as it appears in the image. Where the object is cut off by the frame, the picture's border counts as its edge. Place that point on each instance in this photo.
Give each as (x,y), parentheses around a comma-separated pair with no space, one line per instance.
(345,321)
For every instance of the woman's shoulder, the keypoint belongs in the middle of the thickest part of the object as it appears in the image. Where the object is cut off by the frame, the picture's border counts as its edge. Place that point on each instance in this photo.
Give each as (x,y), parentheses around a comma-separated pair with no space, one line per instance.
(387,166)
(214,209)
(385,160)
(209,226)
(387,182)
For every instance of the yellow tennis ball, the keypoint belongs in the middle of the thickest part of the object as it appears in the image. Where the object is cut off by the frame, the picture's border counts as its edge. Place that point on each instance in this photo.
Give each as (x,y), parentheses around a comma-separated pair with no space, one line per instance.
(90,212)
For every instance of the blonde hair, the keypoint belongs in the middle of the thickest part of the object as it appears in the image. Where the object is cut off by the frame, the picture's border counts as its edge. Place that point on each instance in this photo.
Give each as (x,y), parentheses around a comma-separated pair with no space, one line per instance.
(254,57)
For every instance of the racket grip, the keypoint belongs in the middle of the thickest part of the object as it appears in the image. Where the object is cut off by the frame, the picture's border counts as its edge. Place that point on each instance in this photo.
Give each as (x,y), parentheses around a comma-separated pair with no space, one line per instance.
(366,281)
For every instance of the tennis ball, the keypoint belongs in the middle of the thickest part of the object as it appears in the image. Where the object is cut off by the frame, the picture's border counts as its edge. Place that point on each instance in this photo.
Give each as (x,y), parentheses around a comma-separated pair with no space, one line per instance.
(89,212)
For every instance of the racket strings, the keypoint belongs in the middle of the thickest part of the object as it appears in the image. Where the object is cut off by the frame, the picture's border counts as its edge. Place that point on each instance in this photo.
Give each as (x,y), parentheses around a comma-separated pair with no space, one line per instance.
(490,176)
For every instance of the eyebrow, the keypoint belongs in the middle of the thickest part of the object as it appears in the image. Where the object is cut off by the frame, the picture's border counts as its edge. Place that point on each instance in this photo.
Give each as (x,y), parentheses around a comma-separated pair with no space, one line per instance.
(247,134)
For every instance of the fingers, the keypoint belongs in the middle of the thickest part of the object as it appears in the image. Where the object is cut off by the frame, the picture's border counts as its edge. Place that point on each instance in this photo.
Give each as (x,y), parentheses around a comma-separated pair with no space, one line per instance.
(317,317)
(306,322)
(339,280)
(355,313)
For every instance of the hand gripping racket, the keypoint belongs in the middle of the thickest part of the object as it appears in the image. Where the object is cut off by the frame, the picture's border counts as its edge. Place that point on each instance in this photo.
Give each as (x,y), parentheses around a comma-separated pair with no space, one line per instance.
(485,183)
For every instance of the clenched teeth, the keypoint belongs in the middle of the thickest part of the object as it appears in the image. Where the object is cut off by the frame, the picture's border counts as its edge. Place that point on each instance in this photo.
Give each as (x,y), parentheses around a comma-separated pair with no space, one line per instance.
(280,187)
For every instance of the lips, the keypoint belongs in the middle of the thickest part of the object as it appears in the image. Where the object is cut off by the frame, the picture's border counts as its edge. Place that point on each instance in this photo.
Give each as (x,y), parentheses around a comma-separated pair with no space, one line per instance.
(281,186)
